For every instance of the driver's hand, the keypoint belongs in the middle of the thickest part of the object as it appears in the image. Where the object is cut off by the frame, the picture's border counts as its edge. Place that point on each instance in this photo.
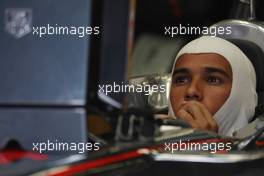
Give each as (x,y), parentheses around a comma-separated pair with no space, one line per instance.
(197,115)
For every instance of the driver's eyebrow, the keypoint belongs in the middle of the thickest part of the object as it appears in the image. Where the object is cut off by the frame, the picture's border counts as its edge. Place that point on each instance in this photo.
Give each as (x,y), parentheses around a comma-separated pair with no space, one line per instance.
(217,70)
(181,70)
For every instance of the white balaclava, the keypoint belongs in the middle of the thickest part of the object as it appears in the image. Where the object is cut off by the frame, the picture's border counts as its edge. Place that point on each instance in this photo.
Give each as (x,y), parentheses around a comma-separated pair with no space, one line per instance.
(239,108)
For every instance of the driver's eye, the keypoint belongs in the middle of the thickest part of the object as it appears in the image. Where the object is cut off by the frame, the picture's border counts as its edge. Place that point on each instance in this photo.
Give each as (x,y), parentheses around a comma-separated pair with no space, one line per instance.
(179,80)
(214,80)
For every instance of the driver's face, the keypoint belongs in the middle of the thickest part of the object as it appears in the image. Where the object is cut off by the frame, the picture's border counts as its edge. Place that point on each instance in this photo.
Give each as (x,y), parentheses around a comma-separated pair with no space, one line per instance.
(206,78)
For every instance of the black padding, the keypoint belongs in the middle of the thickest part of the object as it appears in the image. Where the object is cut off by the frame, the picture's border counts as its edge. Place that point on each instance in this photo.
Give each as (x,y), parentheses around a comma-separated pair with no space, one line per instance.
(256,56)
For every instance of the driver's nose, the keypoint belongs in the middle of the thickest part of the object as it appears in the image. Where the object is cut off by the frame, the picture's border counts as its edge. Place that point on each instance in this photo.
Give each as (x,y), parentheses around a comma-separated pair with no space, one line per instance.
(194,91)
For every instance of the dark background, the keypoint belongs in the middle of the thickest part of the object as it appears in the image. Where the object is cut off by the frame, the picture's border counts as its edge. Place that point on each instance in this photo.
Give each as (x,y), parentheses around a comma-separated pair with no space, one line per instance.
(152,16)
